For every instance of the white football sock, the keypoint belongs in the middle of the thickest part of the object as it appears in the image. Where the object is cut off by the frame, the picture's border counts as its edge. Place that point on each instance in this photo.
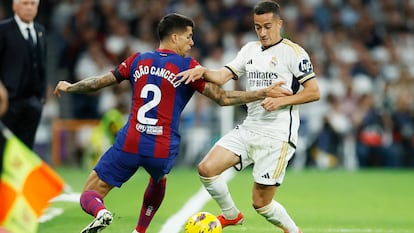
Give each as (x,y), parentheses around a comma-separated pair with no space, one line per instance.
(217,187)
(277,215)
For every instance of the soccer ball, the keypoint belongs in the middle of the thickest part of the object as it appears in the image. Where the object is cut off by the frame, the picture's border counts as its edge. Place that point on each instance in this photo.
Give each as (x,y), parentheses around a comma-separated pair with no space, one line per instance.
(203,222)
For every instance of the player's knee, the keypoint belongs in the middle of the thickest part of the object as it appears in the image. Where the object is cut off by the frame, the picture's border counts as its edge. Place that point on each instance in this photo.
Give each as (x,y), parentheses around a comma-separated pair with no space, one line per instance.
(206,170)
(202,169)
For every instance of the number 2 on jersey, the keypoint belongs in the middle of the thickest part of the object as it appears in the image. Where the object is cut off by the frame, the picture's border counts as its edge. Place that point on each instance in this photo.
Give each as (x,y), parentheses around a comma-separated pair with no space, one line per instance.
(150,105)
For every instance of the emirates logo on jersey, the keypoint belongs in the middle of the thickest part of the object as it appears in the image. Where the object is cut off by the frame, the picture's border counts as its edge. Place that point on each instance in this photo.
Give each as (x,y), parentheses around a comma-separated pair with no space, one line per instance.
(261,79)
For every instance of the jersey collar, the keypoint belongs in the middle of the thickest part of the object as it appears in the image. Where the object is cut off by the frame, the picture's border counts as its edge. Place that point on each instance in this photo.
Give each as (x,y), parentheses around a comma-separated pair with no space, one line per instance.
(165,51)
(264,48)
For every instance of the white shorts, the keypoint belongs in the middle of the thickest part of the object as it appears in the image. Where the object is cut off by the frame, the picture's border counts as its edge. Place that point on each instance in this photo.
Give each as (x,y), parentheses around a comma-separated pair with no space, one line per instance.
(269,156)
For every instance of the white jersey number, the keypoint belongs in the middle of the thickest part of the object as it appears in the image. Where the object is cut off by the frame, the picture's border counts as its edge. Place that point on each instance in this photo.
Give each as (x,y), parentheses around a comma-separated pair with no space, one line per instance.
(150,105)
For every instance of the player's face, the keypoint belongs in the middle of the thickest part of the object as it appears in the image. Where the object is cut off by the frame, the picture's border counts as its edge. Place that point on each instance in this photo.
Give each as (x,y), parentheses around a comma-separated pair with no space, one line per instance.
(267,27)
(26,9)
(185,41)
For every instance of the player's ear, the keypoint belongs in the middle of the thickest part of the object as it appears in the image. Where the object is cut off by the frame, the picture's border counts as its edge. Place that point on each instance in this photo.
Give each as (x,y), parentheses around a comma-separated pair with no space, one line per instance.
(280,23)
(174,37)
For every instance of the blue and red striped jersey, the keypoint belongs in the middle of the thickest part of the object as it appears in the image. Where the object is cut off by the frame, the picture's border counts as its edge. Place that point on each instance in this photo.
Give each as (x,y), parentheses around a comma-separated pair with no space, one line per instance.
(157,102)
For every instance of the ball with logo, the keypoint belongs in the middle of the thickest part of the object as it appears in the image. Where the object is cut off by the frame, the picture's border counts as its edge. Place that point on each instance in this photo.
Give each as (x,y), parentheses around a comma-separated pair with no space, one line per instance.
(203,222)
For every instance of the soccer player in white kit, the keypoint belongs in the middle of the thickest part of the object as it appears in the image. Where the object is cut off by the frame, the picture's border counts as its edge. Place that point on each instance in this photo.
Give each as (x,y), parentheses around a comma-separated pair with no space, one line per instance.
(267,138)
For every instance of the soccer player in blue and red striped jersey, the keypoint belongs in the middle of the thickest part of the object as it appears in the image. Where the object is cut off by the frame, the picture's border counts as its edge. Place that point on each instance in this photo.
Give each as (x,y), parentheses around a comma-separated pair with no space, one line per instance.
(150,138)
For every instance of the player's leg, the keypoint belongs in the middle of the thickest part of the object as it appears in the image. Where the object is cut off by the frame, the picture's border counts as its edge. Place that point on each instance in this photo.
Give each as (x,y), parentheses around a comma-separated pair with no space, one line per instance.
(153,197)
(155,191)
(271,158)
(210,168)
(93,193)
(113,169)
(92,203)
(270,209)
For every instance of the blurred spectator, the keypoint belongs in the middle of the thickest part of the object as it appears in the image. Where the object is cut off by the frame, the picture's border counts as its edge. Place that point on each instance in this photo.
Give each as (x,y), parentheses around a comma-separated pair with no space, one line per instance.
(118,40)
(327,152)
(324,15)
(372,145)
(43,136)
(402,104)
(91,62)
(189,8)
(101,137)
(116,97)
(214,12)
(403,130)
(145,39)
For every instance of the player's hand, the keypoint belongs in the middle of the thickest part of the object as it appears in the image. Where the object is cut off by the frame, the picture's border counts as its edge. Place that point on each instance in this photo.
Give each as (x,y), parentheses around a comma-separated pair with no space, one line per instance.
(276,90)
(271,104)
(191,75)
(61,86)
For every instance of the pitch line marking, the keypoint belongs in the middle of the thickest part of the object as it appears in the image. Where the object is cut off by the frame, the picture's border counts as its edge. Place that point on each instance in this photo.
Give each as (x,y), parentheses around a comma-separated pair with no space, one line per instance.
(193,205)
(51,213)
(356,230)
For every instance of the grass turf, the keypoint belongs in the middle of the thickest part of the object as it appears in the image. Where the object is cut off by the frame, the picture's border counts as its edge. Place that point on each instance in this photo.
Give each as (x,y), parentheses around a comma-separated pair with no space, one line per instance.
(374,201)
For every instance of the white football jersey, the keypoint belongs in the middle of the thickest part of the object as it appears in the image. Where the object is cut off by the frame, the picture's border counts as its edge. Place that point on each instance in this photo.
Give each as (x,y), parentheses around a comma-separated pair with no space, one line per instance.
(261,67)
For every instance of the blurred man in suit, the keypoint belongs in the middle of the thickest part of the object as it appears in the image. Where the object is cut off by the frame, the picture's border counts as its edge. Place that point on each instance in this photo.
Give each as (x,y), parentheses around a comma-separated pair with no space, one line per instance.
(22,70)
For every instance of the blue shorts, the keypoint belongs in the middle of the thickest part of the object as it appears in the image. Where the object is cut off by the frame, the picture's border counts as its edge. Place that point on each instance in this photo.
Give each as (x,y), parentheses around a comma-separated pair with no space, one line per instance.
(116,167)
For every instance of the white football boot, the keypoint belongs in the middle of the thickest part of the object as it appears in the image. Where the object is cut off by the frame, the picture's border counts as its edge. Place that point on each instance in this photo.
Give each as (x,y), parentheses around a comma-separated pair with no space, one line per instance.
(102,220)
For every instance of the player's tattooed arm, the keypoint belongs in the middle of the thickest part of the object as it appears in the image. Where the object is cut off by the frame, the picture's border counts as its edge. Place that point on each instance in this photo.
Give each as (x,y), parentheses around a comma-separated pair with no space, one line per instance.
(86,85)
(225,98)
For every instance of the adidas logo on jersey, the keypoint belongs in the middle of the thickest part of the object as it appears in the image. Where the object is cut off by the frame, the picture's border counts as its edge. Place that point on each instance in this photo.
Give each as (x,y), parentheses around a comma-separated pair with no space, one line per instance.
(266,176)
(250,62)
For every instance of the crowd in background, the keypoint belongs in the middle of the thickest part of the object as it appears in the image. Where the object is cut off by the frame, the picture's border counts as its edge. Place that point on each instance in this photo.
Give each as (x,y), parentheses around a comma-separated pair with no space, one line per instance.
(362,52)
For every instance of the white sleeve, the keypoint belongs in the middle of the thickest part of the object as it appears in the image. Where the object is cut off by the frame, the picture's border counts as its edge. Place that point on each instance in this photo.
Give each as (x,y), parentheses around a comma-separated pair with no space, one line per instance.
(301,66)
(238,65)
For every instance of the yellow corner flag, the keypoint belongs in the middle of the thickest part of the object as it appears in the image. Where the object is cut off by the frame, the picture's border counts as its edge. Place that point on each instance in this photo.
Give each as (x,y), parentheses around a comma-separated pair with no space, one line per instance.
(26,186)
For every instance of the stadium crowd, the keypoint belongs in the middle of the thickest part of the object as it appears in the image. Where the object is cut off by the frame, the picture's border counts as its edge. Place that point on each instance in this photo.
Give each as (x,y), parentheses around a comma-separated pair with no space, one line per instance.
(361,50)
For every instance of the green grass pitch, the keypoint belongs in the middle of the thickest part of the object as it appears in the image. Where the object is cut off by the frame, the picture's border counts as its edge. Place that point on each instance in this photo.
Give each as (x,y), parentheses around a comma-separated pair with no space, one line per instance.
(364,201)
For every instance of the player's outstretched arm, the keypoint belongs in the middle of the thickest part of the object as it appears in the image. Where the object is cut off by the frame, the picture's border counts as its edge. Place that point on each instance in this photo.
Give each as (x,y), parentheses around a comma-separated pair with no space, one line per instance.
(90,84)
(225,98)
(218,77)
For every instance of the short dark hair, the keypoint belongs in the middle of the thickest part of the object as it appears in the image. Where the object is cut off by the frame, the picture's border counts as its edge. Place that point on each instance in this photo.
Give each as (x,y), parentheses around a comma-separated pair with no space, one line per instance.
(172,23)
(267,6)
